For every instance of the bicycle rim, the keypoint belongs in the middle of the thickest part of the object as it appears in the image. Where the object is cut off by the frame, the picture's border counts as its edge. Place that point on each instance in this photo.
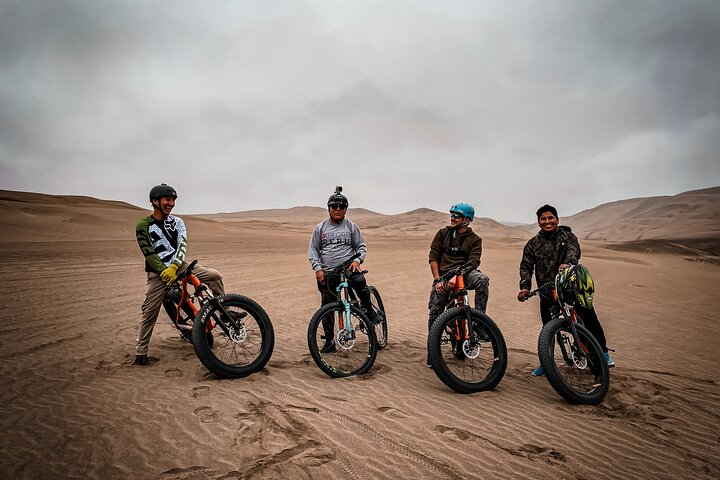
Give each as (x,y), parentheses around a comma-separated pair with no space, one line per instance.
(350,354)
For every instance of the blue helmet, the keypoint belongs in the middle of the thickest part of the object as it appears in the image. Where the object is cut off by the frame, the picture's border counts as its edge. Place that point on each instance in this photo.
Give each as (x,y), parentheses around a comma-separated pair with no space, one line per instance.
(464,209)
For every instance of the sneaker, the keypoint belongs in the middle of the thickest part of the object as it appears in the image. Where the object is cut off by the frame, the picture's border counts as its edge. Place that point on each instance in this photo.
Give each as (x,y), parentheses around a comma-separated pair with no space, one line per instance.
(373,316)
(140,360)
(328,347)
(538,372)
(609,360)
(481,333)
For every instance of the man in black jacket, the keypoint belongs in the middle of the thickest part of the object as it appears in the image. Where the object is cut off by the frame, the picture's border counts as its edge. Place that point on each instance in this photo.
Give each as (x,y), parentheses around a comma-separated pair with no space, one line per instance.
(552,249)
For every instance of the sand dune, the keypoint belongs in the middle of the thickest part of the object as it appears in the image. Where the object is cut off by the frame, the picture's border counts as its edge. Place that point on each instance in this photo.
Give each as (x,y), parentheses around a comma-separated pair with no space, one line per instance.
(74,407)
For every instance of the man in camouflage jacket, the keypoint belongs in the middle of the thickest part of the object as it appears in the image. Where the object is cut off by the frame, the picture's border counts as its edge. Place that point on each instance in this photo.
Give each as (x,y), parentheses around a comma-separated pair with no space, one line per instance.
(553,248)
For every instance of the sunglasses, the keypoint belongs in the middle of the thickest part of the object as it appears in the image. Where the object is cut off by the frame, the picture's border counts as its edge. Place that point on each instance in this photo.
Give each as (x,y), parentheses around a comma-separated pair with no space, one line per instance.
(455,215)
(337,206)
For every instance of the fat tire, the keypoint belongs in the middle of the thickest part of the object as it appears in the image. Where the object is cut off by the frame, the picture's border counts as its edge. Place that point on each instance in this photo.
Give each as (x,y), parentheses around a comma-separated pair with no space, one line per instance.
(365,359)
(258,326)
(381,329)
(546,341)
(498,363)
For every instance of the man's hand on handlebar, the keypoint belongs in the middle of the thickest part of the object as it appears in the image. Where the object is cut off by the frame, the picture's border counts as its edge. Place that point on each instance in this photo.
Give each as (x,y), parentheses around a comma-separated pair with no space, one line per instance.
(522,295)
(440,286)
(320,276)
(354,267)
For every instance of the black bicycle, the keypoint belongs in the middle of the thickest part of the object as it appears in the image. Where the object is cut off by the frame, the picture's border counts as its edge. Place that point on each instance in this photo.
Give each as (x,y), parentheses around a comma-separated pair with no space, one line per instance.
(232,335)
(571,358)
(466,348)
(341,338)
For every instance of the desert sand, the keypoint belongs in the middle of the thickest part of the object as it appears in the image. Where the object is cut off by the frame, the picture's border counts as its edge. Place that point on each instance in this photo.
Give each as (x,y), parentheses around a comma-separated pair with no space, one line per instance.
(74,407)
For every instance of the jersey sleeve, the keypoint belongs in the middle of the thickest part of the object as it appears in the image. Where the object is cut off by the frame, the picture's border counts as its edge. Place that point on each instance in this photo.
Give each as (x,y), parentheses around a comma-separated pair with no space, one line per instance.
(181,250)
(142,233)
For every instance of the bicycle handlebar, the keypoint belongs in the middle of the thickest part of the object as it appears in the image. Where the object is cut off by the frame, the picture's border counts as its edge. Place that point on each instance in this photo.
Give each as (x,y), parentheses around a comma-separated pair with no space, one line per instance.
(343,265)
(454,272)
(188,271)
(540,290)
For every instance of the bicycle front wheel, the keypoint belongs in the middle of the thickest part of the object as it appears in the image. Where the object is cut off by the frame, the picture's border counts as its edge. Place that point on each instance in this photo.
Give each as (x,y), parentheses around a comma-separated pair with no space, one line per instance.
(381,329)
(337,350)
(242,349)
(578,373)
(467,363)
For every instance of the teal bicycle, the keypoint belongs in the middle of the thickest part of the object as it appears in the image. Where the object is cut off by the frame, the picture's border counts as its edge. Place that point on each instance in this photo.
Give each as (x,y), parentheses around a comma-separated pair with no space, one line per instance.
(341,338)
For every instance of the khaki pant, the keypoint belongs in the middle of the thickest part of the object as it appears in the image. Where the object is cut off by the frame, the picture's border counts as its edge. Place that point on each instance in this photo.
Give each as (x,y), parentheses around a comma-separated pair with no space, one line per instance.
(155,295)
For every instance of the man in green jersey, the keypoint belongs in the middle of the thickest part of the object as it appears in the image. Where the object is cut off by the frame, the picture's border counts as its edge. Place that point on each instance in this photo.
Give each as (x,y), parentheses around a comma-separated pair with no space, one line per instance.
(163,241)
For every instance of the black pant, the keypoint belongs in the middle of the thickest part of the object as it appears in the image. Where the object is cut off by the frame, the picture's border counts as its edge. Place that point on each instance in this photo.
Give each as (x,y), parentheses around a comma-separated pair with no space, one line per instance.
(588,316)
(329,295)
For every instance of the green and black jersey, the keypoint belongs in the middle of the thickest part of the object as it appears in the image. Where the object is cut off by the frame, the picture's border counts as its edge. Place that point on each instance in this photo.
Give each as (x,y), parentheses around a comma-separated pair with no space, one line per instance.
(162,242)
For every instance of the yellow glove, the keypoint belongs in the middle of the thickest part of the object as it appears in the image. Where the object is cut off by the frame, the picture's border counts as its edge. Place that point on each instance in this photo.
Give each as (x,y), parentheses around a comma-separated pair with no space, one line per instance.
(169,274)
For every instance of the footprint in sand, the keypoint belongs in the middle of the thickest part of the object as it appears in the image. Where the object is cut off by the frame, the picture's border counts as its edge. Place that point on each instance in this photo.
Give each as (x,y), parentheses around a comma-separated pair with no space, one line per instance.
(550,454)
(392,411)
(200,391)
(104,365)
(173,372)
(206,414)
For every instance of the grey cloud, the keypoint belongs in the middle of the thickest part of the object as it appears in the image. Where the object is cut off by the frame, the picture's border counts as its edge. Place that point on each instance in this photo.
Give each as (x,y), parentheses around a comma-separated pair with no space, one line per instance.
(266,104)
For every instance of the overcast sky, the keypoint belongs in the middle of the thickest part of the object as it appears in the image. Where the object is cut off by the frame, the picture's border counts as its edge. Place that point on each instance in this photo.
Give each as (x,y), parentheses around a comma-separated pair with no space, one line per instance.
(246,105)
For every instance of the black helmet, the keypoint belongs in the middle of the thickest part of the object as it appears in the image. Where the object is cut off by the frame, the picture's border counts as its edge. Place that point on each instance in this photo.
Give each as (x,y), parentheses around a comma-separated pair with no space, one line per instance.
(338,197)
(162,190)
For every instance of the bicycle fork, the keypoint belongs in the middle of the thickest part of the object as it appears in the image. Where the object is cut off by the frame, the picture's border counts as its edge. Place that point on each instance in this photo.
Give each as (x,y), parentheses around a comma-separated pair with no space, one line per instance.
(344,322)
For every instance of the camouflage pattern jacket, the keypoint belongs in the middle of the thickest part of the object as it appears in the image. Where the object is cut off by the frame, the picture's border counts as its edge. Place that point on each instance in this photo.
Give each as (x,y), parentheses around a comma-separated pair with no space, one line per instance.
(544,253)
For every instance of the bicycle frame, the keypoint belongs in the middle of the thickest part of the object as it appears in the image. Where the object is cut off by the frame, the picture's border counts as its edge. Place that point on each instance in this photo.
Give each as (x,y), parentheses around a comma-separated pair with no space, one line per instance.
(343,294)
(459,298)
(567,313)
(203,294)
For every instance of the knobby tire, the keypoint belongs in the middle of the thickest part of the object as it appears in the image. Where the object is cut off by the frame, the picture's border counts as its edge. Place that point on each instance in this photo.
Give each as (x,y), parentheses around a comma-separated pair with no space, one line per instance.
(243,355)
(350,356)
(457,370)
(577,382)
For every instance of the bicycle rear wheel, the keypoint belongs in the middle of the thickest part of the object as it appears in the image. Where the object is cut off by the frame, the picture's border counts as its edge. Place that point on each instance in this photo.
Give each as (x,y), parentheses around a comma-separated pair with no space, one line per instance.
(482,363)
(337,352)
(239,351)
(580,375)
(381,329)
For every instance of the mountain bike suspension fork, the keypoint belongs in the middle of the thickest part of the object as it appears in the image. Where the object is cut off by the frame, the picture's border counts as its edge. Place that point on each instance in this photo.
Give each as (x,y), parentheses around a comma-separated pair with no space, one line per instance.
(342,290)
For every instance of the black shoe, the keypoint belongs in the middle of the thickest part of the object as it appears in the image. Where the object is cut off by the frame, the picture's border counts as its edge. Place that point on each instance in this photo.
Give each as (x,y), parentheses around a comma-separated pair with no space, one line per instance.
(481,333)
(373,316)
(328,347)
(140,360)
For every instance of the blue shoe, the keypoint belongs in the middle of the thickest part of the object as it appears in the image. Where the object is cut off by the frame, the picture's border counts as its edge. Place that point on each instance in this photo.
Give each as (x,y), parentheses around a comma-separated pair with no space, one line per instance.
(538,372)
(609,360)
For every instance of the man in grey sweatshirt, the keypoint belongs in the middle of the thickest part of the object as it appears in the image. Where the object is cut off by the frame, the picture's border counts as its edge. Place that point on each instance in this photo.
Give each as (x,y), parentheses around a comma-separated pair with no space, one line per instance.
(333,241)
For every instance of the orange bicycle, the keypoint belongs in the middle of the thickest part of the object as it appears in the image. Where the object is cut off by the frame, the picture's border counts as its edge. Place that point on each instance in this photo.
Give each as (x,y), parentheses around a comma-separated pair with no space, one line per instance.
(572,359)
(232,335)
(466,348)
